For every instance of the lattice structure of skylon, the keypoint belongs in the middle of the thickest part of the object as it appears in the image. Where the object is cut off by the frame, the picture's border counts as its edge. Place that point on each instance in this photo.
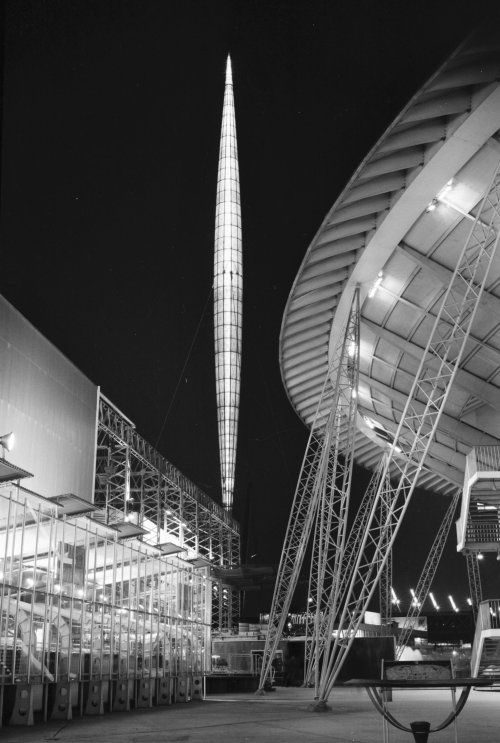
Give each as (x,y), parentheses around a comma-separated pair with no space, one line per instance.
(228,294)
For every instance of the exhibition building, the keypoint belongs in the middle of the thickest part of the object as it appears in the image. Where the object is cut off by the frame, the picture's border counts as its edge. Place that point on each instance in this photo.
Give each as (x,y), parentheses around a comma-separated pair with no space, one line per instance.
(108,554)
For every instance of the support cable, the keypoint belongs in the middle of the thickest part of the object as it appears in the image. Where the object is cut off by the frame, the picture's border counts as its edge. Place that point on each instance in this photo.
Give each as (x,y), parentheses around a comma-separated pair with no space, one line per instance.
(188,356)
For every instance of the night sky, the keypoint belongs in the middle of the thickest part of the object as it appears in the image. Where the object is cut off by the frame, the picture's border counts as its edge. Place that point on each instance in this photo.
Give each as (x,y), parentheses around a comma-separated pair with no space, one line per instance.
(110,137)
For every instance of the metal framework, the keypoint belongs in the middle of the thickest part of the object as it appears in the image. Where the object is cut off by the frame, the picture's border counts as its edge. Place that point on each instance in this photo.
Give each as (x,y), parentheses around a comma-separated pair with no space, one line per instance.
(322,492)
(315,641)
(428,573)
(385,583)
(475,588)
(419,421)
(82,605)
(134,483)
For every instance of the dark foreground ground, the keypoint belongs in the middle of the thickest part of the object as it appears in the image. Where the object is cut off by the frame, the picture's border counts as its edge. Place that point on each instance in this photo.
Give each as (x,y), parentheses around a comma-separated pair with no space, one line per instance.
(279,717)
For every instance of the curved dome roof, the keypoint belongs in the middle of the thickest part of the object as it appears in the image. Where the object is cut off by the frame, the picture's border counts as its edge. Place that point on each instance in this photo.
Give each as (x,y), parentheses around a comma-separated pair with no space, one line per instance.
(446,139)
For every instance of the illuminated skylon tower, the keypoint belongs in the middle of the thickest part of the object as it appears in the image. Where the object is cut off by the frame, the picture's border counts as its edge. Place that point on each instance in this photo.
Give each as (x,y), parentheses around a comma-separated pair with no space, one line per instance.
(228,293)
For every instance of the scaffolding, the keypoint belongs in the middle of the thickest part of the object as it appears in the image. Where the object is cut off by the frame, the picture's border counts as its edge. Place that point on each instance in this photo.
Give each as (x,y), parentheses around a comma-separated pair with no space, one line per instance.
(90,617)
(136,484)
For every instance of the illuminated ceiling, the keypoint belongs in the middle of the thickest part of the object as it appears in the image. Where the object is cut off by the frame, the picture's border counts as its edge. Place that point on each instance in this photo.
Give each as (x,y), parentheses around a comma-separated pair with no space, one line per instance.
(396,232)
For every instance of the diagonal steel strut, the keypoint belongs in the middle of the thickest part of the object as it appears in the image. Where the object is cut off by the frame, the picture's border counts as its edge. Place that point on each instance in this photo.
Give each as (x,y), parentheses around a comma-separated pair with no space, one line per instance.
(329,536)
(318,480)
(428,572)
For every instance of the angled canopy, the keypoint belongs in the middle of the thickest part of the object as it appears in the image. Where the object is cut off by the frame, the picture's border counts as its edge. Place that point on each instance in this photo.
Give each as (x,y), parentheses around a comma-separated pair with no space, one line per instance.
(396,231)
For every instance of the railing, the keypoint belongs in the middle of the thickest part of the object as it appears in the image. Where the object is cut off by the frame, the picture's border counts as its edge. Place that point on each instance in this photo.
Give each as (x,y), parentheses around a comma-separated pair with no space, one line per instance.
(483,531)
(473,525)
(488,617)
(483,459)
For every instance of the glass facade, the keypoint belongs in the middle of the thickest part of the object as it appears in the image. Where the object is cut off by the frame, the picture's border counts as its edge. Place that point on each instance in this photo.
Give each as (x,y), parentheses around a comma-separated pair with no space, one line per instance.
(118,595)
(79,603)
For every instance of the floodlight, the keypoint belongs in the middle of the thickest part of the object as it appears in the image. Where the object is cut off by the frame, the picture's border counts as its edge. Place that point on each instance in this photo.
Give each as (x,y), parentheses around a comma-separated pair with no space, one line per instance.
(376,285)
(7,441)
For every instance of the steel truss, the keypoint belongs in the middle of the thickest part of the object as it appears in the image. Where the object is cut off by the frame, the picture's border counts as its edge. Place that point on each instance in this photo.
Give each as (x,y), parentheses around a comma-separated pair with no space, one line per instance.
(135,483)
(385,582)
(354,543)
(322,491)
(315,641)
(418,423)
(475,588)
(427,576)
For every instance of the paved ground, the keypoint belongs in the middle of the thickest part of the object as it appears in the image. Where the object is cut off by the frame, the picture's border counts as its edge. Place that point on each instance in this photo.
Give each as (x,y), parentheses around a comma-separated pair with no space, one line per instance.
(279,717)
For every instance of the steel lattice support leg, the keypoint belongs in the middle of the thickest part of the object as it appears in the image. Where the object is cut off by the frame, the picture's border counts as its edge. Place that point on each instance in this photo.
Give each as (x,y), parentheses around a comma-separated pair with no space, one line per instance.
(419,421)
(354,544)
(318,476)
(332,525)
(385,584)
(428,573)
(348,558)
(475,588)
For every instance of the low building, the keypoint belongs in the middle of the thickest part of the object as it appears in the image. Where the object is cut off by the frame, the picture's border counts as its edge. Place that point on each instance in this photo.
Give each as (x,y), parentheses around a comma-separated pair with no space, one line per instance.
(107,552)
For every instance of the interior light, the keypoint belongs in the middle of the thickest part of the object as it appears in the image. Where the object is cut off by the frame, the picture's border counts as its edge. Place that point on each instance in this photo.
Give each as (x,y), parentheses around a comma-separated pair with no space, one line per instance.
(445,189)
(434,602)
(376,284)
(480,556)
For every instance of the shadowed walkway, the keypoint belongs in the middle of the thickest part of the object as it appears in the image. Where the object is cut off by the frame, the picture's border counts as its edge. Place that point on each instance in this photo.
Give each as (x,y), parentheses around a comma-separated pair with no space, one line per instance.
(279,717)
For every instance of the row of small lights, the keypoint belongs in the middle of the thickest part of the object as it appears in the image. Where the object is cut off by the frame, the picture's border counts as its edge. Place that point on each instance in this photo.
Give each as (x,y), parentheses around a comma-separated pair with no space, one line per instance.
(415,602)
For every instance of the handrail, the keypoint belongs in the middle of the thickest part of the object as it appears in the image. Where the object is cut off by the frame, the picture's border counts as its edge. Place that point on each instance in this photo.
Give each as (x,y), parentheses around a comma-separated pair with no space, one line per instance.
(488,617)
